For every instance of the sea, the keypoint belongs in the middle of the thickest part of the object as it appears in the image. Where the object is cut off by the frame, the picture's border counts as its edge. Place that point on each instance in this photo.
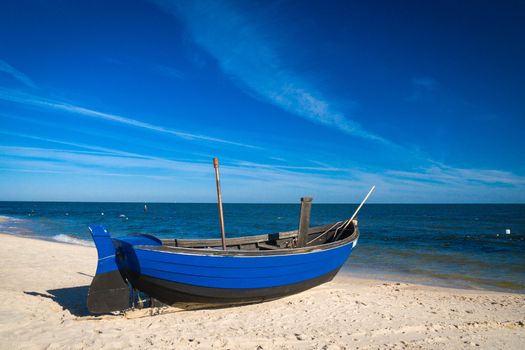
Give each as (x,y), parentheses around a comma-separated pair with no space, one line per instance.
(478,246)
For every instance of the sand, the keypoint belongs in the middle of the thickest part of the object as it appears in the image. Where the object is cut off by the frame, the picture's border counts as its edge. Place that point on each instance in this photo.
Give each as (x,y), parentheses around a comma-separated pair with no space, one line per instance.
(44,286)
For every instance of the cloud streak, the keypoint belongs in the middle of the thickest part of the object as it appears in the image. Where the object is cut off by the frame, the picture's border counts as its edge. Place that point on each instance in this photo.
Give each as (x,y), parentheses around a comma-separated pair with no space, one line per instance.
(17,75)
(244,53)
(245,179)
(443,174)
(36,101)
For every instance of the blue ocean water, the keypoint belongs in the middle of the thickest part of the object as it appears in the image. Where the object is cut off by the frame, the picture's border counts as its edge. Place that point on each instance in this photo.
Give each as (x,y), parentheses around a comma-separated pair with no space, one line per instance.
(449,245)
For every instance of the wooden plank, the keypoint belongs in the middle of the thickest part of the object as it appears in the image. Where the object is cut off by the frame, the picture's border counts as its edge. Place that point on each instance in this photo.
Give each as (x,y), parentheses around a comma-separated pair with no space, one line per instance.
(242,252)
(241,240)
(267,246)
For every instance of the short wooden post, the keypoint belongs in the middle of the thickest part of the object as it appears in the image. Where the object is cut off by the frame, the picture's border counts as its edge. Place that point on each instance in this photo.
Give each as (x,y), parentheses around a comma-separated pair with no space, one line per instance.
(304,221)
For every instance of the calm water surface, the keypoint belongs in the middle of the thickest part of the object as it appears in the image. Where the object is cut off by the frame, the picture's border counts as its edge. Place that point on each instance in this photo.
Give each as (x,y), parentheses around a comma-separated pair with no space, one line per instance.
(450,245)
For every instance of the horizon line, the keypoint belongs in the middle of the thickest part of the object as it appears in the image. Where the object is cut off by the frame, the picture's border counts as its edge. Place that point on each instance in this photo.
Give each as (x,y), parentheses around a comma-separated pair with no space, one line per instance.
(266,203)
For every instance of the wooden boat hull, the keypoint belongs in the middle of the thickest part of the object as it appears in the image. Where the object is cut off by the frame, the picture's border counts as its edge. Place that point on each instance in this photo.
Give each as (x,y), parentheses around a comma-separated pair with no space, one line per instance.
(211,276)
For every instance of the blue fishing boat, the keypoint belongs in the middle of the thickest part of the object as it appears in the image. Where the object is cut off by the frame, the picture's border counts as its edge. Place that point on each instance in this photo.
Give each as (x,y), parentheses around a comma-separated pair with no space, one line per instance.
(218,271)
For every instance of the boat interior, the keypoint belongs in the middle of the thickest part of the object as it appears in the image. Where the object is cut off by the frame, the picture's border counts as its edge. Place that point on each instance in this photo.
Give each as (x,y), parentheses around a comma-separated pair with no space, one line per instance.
(315,236)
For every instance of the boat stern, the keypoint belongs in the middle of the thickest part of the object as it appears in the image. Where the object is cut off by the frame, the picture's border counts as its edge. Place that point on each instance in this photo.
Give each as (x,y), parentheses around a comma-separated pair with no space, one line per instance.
(109,290)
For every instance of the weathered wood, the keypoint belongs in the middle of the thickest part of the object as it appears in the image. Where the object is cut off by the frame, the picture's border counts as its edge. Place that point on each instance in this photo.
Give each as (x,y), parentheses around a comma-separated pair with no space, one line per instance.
(278,236)
(201,250)
(219,200)
(218,242)
(304,221)
(337,231)
(267,246)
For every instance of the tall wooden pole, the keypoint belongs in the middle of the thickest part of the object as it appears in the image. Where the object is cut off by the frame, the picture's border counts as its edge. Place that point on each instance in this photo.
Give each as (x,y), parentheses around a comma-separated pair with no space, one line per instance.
(219,200)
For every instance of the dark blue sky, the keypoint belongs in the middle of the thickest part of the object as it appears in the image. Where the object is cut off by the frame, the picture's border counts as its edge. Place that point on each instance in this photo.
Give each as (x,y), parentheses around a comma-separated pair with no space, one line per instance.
(129,101)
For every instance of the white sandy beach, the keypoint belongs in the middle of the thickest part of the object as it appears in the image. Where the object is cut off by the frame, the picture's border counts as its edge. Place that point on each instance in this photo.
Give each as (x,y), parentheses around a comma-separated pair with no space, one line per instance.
(44,286)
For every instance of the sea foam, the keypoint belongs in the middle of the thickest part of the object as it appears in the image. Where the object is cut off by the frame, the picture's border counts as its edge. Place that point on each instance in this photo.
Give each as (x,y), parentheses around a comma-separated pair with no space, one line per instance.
(72,240)
(4,218)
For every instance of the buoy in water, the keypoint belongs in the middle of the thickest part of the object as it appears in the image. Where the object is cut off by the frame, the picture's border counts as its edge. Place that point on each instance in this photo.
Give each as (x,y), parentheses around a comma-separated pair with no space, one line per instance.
(507,231)
(101,213)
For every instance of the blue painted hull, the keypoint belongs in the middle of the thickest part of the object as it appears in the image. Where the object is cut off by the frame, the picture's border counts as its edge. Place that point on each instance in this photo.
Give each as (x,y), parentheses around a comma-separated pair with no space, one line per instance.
(182,275)
(239,271)
(218,279)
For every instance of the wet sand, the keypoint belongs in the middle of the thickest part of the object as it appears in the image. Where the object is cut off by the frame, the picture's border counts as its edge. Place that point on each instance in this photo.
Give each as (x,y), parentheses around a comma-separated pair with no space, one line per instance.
(44,286)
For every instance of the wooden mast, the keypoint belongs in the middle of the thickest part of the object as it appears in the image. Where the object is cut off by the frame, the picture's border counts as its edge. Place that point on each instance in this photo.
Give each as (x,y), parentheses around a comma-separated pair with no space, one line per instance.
(219,200)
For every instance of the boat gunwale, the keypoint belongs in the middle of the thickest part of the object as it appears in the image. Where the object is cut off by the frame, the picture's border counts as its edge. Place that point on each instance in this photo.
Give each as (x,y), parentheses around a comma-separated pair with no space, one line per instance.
(260,253)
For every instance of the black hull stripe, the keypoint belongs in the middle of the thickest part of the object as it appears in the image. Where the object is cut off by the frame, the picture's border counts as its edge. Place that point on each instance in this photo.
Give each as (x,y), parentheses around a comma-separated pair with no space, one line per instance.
(171,293)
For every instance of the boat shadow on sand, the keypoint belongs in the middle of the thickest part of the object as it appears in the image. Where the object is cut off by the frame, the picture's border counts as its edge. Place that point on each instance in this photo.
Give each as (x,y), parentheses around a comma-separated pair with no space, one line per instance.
(72,299)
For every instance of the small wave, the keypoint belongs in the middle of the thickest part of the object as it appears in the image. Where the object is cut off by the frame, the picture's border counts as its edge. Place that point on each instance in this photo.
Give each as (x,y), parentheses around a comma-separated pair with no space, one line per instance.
(72,240)
(4,218)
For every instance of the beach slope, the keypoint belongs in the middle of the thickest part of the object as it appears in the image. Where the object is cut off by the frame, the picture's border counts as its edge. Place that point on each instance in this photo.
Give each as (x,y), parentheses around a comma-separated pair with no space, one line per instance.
(44,287)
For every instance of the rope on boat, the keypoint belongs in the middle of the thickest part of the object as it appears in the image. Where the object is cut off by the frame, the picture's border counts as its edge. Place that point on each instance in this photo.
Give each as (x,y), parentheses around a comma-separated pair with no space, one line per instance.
(344,224)
(322,234)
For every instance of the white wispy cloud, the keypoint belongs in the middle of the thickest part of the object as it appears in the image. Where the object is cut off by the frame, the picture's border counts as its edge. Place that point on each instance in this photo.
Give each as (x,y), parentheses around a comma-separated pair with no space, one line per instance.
(94,148)
(16,74)
(447,175)
(243,52)
(37,101)
(248,181)
(244,180)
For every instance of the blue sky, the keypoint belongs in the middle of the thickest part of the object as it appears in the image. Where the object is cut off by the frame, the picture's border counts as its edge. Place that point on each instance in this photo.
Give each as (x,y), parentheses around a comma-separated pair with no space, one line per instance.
(130,101)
